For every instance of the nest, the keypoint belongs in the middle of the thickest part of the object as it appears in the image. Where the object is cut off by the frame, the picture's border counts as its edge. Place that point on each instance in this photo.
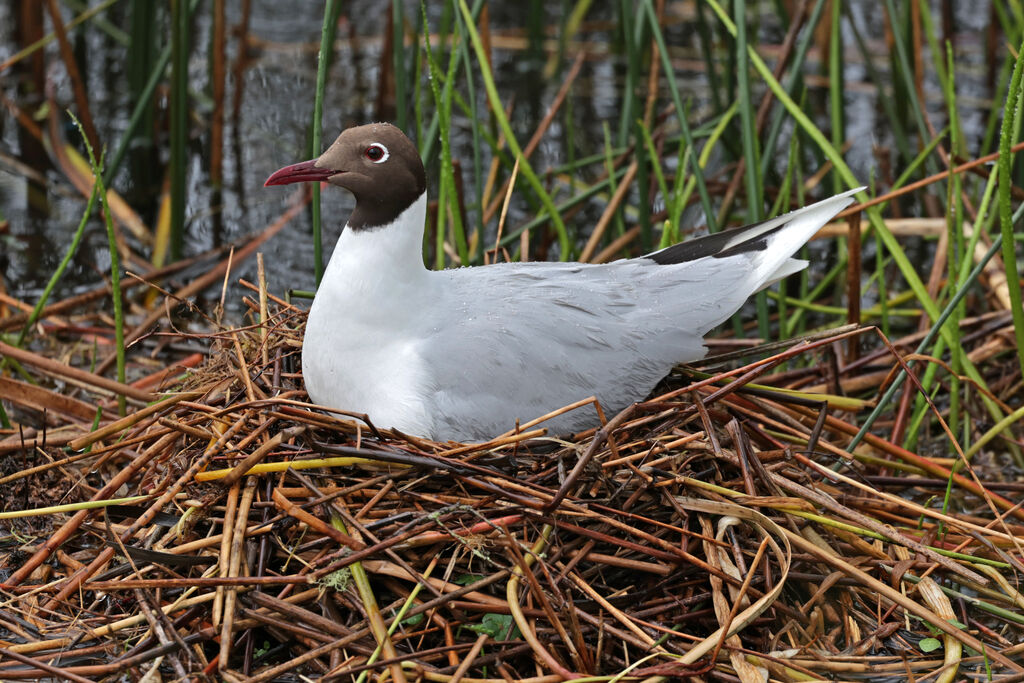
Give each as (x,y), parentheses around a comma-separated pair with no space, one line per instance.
(716,530)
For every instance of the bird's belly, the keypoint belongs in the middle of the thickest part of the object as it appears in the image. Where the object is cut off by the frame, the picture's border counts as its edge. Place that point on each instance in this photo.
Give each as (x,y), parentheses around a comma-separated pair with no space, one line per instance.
(348,366)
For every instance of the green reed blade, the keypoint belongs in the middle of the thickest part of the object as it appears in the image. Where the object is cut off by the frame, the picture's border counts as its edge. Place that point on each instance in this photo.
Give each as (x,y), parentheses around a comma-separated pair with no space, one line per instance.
(327,32)
(566,247)
(1007,136)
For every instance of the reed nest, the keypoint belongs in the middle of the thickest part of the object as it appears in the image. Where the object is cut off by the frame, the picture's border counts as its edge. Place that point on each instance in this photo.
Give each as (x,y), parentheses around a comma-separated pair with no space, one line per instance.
(717,530)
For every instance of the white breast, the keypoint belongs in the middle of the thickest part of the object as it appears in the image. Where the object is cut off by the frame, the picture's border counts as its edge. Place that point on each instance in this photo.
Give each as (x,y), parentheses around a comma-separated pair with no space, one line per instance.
(362,347)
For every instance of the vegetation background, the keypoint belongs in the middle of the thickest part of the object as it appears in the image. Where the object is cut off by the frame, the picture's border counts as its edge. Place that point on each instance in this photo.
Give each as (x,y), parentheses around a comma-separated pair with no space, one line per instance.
(568,129)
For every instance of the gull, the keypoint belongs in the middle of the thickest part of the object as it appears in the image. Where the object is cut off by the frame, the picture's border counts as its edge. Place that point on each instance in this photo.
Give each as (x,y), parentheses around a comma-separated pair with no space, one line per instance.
(464,353)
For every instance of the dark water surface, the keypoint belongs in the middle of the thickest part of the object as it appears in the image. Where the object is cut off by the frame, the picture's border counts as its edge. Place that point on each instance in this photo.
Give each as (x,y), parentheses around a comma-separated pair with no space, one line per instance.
(277,107)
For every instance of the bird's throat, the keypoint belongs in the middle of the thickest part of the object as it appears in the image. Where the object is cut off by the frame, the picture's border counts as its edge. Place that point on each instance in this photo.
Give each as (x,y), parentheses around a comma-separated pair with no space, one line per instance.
(389,253)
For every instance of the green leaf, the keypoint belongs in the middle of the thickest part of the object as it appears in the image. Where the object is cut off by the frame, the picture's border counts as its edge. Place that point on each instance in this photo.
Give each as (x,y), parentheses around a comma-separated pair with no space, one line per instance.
(494,625)
(414,620)
(466,579)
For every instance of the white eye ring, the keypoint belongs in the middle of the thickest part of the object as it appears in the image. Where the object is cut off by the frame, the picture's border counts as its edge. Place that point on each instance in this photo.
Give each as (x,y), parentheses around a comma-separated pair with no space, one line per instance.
(384,150)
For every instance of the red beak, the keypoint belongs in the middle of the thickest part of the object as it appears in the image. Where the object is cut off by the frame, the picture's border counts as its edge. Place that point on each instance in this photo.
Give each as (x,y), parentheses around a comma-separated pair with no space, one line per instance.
(298,173)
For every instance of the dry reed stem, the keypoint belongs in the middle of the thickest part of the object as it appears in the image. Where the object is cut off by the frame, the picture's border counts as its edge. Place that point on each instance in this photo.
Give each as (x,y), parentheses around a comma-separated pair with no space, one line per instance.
(628,556)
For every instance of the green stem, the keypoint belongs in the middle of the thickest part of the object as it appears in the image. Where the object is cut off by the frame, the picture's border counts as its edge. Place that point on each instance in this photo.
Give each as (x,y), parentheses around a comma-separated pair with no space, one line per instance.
(179,123)
(677,99)
(398,61)
(936,329)
(327,31)
(510,138)
(115,264)
(142,104)
(900,258)
(1006,220)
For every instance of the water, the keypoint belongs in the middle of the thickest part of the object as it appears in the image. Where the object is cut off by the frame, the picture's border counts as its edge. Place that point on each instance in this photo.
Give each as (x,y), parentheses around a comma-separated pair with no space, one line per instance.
(277,106)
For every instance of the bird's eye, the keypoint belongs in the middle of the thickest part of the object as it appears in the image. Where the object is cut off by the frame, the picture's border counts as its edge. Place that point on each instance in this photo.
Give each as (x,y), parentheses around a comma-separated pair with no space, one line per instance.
(377,153)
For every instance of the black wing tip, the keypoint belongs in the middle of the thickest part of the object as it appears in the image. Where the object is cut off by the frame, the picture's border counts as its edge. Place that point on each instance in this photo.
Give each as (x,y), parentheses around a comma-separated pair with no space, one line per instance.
(717,244)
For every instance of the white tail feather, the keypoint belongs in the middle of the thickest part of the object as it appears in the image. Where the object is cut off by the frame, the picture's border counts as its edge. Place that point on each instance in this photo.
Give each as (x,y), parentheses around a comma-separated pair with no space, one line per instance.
(774,262)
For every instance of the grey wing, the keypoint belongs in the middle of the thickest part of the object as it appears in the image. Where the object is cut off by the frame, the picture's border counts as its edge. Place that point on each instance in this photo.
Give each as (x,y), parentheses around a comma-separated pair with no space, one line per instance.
(526,339)
(521,340)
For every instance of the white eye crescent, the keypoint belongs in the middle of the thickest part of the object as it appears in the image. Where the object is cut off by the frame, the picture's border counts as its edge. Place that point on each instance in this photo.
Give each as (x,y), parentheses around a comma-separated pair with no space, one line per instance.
(377,153)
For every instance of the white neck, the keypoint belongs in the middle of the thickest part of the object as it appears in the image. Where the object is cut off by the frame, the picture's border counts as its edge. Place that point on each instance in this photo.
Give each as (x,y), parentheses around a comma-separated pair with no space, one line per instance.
(396,248)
